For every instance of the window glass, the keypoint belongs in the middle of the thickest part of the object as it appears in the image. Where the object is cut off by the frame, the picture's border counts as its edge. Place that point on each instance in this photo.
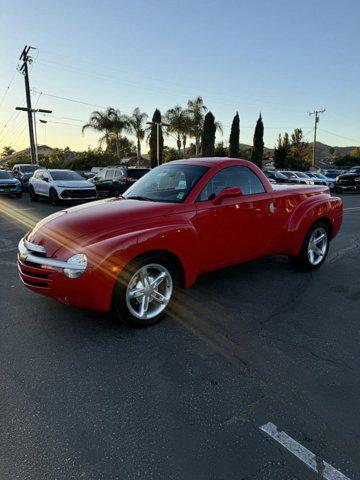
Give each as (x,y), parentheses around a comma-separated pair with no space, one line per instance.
(137,172)
(240,177)
(65,175)
(167,183)
(118,173)
(109,173)
(5,175)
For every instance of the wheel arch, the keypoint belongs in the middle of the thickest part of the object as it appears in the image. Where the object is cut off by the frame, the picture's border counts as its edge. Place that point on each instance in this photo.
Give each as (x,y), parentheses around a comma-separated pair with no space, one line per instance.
(162,253)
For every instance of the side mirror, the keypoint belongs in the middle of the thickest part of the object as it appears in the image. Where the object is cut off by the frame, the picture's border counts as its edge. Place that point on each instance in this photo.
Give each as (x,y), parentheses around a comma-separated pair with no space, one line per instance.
(45,179)
(232,192)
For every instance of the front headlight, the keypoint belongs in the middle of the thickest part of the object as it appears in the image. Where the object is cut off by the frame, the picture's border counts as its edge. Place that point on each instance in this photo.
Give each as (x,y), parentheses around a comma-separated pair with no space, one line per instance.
(337,179)
(77,265)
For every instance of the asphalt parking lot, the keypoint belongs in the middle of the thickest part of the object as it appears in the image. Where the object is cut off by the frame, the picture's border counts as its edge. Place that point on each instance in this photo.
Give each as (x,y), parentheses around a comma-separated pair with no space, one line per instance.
(84,398)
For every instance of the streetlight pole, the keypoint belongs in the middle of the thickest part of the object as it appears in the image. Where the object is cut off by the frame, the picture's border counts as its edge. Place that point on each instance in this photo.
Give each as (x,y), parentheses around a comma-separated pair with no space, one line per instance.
(158,125)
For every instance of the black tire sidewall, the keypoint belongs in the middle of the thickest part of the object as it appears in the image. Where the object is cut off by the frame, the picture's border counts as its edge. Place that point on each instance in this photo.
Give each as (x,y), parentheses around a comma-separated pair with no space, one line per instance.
(302,261)
(54,198)
(32,194)
(119,306)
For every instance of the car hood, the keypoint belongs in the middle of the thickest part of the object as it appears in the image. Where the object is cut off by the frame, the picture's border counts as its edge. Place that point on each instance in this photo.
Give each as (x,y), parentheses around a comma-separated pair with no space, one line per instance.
(8,181)
(73,184)
(85,224)
(346,176)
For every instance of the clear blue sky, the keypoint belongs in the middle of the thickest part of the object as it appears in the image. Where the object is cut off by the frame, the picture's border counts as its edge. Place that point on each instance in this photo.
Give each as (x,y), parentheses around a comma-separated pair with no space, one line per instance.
(278,57)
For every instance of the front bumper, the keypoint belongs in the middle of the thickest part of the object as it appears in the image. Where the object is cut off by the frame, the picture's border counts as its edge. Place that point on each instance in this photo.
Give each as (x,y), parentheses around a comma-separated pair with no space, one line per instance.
(78,194)
(92,290)
(10,189)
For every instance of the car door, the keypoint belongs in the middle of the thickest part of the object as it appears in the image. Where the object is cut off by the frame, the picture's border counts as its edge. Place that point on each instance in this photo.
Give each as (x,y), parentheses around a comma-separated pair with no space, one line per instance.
(44,184)
(239,229)
(35,181)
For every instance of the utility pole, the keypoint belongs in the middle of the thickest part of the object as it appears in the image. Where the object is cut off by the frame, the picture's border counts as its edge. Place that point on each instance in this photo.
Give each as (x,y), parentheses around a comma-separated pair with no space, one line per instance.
(32,112)
(158,125)
(316,113)
(26,59)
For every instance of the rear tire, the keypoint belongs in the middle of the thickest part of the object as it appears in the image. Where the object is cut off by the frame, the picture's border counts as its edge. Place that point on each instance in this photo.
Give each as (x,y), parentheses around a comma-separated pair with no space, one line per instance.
(32,194)
(145,291)
(314,249)
(54,197)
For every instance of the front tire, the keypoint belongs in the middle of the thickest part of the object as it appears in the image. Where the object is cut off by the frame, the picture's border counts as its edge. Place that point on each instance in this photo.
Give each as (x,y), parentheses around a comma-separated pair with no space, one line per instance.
(145,291)
(33,196)
(314,249)
(54,197)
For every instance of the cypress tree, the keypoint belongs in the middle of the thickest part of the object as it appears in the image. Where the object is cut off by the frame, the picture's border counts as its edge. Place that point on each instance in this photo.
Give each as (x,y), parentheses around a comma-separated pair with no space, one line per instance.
(153,140)
(258,148)
(208,136)
(234,140)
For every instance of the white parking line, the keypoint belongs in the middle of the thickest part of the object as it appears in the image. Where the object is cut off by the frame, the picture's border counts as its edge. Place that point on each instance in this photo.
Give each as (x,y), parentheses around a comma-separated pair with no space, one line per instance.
(323,469)
(351,208)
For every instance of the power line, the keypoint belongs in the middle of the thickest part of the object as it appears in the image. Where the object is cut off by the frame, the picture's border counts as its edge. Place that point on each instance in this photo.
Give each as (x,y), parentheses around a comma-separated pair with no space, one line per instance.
(340,136)
(7,89)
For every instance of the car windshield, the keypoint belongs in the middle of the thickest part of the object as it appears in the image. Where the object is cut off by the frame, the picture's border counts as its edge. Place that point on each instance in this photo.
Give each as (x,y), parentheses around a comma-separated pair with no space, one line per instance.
(289,174)
(137,172)
(167,183)
(28,168)
(354,170)
(65,175)
(5,175)
(320,175)
(302,175)
(332,174)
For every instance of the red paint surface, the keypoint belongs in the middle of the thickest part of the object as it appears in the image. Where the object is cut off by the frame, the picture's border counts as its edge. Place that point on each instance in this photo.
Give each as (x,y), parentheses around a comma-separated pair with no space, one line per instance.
(202,235)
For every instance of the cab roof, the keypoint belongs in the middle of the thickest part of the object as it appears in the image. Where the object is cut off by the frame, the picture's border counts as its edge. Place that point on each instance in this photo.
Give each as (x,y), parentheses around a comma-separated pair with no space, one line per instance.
(212,161)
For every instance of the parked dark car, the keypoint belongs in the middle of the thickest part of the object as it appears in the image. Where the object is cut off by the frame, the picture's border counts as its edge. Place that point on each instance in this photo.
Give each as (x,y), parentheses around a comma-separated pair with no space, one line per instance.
(9,185)
(348,181)
(113,181)
(24,172)
(277,177)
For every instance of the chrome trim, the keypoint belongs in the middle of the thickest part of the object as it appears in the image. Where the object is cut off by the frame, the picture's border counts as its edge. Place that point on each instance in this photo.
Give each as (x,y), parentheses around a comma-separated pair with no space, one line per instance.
(33,247)
(25,254)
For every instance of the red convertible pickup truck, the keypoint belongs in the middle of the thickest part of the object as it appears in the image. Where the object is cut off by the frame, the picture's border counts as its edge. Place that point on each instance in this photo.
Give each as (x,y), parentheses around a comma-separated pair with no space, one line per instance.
(130,254)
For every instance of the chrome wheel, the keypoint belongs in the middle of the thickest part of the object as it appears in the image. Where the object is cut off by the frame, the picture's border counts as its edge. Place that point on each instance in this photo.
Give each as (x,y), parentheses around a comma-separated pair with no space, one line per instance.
(317,246)
(149,291)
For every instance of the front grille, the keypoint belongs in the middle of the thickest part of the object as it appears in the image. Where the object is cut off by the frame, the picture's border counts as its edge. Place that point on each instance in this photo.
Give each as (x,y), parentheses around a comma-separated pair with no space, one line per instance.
(34,274)
(8,187)
(31,283)
(347,181)
(90,193)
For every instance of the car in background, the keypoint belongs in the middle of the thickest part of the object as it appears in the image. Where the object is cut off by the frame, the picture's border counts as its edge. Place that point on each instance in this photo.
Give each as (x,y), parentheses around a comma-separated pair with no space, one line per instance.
(113,181)
(316,179)
(9,185)
(330,182)
(277,177)
(348,181)
(58,185)
(297,177)
(23,172)
(94,171)
(332,173)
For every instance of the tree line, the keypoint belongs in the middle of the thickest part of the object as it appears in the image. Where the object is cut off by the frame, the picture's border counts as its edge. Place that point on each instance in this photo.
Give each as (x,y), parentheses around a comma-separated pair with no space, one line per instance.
(195,122)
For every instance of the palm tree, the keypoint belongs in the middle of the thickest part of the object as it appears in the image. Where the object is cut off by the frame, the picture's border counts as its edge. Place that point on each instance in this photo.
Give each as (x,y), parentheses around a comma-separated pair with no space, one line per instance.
(178,118)
(197,110)
(136,124)
(112,123)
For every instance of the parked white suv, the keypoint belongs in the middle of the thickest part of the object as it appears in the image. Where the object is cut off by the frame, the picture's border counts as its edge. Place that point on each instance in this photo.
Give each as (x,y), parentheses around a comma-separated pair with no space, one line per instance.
(60,185)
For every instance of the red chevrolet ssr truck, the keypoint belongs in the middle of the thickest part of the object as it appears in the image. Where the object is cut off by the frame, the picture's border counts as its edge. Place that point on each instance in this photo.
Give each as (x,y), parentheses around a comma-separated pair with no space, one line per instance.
(184,218)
